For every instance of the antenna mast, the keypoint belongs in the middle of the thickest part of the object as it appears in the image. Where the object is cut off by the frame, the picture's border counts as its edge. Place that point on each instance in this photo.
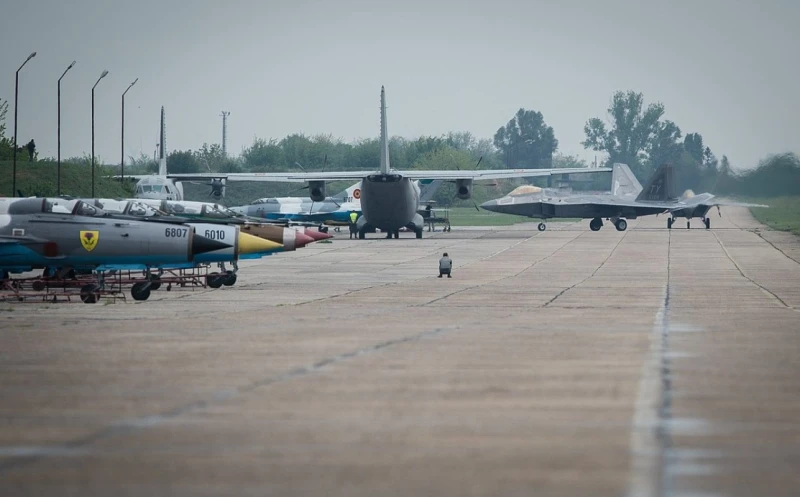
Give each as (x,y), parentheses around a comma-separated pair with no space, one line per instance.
(225,115)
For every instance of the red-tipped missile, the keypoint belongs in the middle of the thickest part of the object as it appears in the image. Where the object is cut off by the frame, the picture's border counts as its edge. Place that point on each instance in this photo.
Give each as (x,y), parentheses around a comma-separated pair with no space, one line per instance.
(290,238)
(317,235)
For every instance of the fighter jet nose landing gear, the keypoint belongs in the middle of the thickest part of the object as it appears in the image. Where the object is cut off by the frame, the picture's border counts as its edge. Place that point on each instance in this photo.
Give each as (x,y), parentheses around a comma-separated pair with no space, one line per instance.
(595,224)
(670,222)
(707,222)
(542,226)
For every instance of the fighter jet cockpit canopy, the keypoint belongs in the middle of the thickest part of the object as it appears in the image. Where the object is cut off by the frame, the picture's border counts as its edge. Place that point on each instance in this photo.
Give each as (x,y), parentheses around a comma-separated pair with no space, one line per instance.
(525,190)
(264,201)
(128,207)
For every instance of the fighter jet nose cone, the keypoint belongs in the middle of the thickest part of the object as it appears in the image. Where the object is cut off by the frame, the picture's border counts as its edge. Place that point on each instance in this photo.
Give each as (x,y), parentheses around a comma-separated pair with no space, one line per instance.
(253,245)
(490,205)
(317,235)
(201,245)
(301,240)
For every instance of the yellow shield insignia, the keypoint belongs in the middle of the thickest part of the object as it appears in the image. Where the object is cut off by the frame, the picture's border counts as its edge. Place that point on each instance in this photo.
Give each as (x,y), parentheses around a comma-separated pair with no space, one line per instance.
(89,239)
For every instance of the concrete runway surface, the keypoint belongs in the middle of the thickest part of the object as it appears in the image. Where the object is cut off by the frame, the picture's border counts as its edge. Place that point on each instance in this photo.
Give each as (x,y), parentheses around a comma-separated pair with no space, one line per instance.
(567,362)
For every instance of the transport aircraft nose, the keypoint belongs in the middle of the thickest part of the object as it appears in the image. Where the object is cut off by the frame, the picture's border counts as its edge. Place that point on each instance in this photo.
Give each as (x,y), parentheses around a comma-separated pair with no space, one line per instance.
(253,245)
(201,245)
(490,205)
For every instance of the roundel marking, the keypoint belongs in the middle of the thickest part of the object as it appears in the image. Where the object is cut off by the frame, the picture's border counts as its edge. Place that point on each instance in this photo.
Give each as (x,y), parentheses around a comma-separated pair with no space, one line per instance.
(357,193)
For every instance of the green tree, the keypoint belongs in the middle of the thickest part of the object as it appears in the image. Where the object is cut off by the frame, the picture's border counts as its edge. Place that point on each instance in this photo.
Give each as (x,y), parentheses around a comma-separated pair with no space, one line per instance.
(263,156)
(693,143)
(3,112)
(632,128)
(526,141)
(664,147)
(182,162)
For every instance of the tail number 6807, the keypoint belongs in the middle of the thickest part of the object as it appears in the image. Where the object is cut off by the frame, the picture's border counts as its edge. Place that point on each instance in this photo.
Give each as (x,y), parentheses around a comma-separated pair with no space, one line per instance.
(175,232)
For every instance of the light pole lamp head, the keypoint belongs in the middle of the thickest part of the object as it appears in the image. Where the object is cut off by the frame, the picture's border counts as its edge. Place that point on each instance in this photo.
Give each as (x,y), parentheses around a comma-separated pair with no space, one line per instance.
(105,73)
(70,66)
(30,56)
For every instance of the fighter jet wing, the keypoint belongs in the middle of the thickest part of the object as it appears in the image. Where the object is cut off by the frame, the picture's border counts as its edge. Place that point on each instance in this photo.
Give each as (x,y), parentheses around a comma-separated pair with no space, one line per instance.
(737,204)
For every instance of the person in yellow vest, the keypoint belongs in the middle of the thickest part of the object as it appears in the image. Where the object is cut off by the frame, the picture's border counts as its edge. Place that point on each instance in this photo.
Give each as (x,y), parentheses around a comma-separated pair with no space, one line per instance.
(353,225)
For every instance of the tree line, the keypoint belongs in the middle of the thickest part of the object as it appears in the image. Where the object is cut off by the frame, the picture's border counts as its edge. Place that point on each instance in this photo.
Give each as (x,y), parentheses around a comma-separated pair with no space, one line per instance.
(632,133)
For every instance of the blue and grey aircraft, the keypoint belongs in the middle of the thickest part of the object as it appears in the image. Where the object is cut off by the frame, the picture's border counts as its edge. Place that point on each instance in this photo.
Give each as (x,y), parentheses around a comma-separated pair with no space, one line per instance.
(626,200)
(390,199)
(38,233)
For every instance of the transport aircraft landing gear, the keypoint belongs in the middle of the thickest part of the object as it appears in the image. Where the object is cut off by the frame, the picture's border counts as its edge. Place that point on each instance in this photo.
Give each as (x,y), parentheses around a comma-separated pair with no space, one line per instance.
(621,224)
(418,231)
(595,224)
(670,222)
(542,226)
(707,222)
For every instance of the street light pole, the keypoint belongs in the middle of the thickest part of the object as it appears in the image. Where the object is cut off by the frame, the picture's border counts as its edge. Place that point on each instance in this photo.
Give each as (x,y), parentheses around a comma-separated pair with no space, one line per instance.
(59,126)
(16,107)
(103,75)
(122,141)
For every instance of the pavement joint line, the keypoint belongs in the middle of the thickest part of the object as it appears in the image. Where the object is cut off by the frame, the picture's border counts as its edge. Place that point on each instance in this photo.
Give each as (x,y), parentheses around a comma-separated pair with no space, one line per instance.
(130,426)
(741,272)
(529,266)
(650,438)
(757,232)
(562,292)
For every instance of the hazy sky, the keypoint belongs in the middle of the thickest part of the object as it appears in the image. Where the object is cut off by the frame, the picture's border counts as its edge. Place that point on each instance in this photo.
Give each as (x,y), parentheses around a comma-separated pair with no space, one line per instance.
(725,68)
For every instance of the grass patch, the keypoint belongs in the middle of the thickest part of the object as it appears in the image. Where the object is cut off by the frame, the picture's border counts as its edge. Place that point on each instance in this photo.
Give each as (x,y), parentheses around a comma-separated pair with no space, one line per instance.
(783,213)
(40,178)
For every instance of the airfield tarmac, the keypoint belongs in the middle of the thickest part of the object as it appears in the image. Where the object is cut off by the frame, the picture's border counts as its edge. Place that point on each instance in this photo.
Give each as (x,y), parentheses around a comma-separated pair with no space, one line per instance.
(566,362)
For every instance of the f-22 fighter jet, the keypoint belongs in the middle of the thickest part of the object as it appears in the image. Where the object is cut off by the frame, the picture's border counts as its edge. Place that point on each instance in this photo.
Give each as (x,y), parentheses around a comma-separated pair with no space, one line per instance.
(627,200)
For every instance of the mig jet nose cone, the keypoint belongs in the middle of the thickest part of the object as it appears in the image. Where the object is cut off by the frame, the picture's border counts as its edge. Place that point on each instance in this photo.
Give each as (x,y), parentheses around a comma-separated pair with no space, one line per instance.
(301,240)
(317,235)
(255,246)
(490,205)
(201,245)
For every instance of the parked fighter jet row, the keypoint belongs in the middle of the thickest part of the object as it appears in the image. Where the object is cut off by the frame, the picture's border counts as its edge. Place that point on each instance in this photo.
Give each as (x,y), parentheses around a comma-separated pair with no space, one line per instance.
(80,243)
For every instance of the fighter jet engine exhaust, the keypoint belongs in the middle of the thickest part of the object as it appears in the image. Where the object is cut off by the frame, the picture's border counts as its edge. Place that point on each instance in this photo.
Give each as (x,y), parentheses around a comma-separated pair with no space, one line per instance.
(316,190)
(464,189)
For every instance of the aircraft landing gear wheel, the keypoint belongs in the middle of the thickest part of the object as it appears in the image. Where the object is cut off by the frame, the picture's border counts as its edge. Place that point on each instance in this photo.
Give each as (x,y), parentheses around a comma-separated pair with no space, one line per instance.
(229,278)
(595,224)
(621,224)
(140,291)
(362,234)
(89,294)
(215,280)
(154,283)
(688,224)
(707,222)
(397,234)
(669,223)
(419,233)
(542,226)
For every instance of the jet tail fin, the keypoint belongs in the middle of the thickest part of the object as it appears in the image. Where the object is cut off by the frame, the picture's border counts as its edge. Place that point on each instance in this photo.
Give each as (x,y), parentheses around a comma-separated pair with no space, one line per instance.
(162,147)
(660,186)
(623,181)
(351,194)
(384,136)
